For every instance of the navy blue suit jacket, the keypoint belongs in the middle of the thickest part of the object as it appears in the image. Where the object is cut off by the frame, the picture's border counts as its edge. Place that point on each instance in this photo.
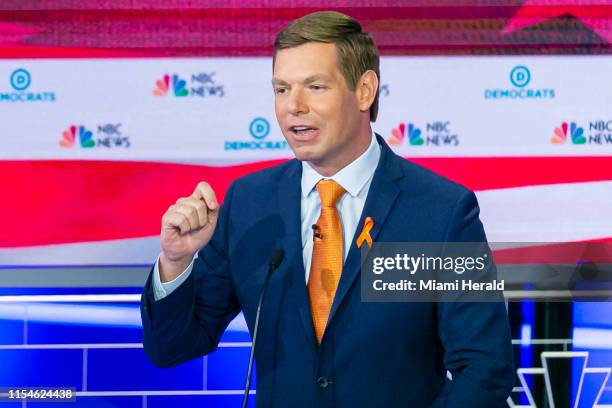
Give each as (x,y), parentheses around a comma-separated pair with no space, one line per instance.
(372,354)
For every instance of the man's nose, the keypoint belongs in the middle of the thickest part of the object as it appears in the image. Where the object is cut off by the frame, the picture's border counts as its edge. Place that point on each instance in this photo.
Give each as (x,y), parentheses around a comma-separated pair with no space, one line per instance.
(297,102)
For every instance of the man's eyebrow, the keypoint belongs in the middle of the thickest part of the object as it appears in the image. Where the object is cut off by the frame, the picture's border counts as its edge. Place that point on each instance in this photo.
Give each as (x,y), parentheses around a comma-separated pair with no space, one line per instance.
(278,82)
(310,79)
(317,77)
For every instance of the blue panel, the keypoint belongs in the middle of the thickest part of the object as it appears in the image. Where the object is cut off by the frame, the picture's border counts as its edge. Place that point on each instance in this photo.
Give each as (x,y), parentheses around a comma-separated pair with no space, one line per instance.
(526,358)
(69,291)
(235,336)
(577,367)
(227,369)
(592,314)
(11,332)
(591,385)
(606,397)
(97,402)
(130,370)
(600,358)
(11,405)
(207,401)
(41,368)
(44,333)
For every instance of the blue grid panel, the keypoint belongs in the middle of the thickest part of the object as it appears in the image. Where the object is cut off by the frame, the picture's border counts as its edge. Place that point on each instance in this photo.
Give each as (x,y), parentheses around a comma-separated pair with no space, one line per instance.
(601,358)
(96,402)
(130,370)
(227,369)
(11,405)
(41,368)
(592,314)
(68,291)
(590,388)
(11,331)
(606,396)
(49,333)
(196,401)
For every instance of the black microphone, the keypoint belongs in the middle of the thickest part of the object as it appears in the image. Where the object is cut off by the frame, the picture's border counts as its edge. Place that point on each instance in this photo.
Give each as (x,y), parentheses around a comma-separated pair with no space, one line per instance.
(275,260)
(315,233)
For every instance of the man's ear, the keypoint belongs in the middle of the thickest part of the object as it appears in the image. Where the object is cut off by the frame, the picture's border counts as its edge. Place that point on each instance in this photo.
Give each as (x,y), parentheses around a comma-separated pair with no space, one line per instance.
(366,90)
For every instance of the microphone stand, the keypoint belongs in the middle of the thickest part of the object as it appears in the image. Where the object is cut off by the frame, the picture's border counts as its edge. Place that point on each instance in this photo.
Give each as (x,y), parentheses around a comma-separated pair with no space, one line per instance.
(275,260)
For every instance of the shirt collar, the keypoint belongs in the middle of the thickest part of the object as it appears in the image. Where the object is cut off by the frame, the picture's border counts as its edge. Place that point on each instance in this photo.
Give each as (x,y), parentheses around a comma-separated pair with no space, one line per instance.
(352,177)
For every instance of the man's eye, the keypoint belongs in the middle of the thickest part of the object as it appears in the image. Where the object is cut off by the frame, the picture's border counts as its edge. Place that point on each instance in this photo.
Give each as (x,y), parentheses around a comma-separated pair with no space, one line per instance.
(280,90)
(316,87)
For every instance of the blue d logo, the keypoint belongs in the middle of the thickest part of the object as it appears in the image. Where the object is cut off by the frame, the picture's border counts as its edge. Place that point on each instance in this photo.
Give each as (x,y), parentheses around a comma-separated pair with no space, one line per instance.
(20,79)
(259,128)
(520,76)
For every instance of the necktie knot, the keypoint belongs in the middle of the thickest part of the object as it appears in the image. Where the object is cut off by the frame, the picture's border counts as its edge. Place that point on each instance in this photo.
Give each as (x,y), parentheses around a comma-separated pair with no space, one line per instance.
(330,192)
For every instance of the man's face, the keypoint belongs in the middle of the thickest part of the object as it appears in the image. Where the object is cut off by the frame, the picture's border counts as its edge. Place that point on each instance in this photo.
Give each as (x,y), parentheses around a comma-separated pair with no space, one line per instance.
(317,112)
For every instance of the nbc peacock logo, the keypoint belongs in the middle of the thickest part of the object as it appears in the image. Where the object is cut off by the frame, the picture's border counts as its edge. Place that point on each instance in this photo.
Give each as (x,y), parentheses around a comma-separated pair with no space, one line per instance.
(69,137)
(178,85)
(575,132)
(106,135)
(398,135)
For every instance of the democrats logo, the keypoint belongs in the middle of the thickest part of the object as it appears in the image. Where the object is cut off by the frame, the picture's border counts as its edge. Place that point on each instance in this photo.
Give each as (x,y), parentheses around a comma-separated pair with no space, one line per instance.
(437,133)
(202,84)
(20,79)
(20,82)
(259,129)
(107,135)
(599,132)
(519,78)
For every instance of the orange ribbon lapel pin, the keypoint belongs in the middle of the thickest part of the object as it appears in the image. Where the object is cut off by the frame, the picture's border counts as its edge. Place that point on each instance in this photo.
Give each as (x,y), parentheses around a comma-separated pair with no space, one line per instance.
(365,233)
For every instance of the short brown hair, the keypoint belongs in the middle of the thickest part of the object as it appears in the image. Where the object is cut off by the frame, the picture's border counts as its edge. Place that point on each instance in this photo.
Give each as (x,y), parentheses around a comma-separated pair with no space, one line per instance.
(355,48)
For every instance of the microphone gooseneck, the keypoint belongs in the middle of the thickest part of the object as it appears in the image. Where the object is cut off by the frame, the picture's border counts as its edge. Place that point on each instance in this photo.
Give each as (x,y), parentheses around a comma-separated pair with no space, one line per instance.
(275,260)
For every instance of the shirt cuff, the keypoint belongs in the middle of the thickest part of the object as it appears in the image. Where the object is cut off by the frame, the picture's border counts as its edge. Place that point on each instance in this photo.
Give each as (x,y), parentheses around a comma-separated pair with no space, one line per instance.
(163,289)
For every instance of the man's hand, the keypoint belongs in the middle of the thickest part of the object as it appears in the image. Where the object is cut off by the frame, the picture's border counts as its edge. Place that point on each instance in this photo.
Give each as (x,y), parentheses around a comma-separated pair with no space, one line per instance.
(187,226)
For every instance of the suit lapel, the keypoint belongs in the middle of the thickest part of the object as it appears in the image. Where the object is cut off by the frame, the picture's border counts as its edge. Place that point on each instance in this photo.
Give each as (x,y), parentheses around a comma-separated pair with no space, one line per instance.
(381,197)
(289,206)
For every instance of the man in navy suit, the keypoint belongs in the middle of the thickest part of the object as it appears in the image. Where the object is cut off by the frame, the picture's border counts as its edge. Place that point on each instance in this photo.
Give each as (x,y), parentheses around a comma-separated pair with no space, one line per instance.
(346,352)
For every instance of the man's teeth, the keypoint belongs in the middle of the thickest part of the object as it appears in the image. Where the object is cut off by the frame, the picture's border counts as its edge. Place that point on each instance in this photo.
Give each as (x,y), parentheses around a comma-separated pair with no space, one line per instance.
(301,128)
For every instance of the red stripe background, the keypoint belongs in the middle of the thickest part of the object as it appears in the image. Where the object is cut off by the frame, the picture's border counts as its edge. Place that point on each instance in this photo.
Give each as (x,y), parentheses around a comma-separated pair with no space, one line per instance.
(53,202)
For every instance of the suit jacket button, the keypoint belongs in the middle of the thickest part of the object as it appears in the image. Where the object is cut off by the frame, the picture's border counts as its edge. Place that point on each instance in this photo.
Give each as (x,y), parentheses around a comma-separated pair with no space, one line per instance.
(323,382)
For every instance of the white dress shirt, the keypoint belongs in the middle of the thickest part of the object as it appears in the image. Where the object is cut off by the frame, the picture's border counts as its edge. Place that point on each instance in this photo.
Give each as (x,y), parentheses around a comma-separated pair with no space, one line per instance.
(354,178)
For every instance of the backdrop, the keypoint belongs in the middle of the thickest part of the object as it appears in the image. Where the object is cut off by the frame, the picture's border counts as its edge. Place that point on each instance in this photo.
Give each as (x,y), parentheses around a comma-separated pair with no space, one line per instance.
(111,110)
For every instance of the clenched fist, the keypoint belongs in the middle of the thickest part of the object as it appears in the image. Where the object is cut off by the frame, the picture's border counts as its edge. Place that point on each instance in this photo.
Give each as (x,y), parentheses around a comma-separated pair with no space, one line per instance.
(187,226)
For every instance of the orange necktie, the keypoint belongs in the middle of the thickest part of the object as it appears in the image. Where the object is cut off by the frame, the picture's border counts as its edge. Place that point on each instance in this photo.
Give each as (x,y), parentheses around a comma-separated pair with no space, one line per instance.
(327,254)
